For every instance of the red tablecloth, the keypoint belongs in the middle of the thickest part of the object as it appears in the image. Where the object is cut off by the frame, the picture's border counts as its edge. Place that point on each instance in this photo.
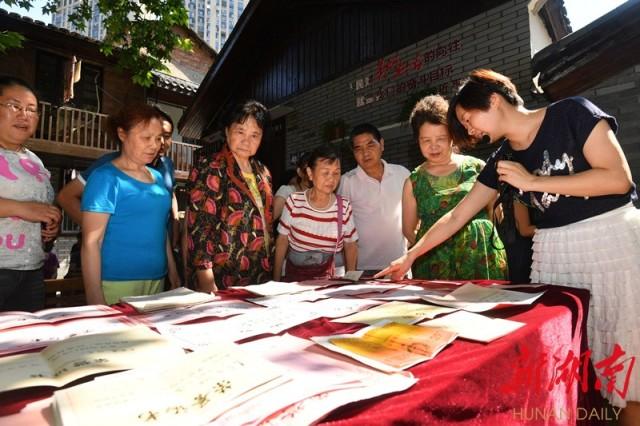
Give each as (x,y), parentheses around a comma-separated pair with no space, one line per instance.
(510,381)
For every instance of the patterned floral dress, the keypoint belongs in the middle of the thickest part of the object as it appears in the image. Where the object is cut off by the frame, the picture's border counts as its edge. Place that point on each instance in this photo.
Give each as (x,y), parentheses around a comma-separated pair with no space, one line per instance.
(230,231)
(468,254)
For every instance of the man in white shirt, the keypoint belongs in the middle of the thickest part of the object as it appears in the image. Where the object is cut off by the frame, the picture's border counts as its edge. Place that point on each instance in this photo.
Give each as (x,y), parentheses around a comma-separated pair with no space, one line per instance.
(375,191)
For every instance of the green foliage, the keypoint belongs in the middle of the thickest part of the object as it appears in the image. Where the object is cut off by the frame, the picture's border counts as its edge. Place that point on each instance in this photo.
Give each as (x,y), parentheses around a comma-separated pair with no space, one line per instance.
(138,31)
(9,39)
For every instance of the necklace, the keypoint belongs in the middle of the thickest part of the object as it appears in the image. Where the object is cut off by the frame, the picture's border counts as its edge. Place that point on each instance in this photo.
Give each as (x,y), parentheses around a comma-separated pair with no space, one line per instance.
(20,148)
(326,206)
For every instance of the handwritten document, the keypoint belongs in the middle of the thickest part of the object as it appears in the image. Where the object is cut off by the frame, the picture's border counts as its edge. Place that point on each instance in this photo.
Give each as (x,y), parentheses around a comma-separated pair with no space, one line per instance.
(51,316)
(261,321)
(475,326)
(474,298)
(81,356)
(390,347)
(401,312)
(40,335)
(190,391)
(178,297)
(315,376)
(219,309)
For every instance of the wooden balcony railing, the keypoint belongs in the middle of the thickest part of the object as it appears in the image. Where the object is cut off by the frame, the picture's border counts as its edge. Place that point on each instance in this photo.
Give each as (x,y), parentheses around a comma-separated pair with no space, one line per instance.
(82,133)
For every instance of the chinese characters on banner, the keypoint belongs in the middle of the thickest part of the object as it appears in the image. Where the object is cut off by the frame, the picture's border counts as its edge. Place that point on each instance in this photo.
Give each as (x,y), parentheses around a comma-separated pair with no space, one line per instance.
(396,70)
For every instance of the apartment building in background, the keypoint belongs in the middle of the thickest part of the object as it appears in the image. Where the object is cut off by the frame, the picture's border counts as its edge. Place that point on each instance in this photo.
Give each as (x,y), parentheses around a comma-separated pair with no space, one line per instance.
(212,20)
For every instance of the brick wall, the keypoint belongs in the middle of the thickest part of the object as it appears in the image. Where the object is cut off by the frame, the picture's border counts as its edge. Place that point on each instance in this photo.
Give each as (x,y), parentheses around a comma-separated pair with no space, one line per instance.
(620,97)
(378,91)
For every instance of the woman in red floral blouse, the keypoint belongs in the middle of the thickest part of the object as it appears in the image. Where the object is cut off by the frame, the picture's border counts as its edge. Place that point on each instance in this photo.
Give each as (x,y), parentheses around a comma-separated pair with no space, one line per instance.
(230,216)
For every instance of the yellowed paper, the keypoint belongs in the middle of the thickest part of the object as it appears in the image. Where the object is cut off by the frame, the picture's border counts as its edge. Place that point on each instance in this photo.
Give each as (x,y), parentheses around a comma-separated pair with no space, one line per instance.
(390,346)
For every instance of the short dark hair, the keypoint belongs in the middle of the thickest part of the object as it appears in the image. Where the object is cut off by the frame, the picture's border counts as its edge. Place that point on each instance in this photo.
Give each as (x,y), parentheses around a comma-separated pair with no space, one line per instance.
(324,152)
(165,117)
(475,93)
(130,115)
(7,81)
(243,110)
(365,128)
(431,109)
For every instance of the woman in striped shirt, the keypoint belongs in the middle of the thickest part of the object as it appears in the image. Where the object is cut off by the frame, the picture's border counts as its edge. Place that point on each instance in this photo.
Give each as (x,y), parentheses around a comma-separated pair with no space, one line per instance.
(316,229)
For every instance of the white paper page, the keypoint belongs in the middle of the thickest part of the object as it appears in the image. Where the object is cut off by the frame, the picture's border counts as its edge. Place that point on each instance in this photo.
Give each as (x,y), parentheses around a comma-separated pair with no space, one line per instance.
(16,319)
(37,336)
(335,308)
(475,326)
(191,391)
(313,373)
(355,289)
(273,288)
(178,297)
(407,293)
(474,298)
(219,309)
(312,409)
(288,299)
(402,312)
(267,320)
(82,356)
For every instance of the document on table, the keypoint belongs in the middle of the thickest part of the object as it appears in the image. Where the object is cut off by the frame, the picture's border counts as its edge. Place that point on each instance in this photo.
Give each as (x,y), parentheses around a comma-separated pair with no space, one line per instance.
(389,347)
(315,377)
(178,297)
(407,293)
(274,288)
(261,321)
(474,298)
(475,326)
(189,391)
(40,335)
(17,319)
(401,312)
(219,309)
(81,356)
(288,299)
(357,289)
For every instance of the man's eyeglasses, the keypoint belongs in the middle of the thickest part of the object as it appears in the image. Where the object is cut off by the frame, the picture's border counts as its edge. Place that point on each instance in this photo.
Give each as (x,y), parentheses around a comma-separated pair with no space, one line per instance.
(16,109)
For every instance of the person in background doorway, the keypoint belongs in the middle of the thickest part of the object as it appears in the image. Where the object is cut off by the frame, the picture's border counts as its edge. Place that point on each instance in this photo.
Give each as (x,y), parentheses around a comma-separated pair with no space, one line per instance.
(374,189)
(299,182)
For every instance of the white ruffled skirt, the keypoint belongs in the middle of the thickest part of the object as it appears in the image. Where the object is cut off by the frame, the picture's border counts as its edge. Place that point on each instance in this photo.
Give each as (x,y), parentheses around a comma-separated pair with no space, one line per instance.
(600,254)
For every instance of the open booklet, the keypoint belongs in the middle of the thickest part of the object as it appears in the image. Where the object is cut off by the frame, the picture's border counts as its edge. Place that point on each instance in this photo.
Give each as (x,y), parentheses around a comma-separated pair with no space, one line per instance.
(176,298)
(390,346)
(475,298)
(192,390)
(81,356)
(51,316)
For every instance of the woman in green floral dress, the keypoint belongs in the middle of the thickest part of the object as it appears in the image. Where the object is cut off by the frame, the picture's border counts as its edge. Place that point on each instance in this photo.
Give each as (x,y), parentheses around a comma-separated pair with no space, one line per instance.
(437,186)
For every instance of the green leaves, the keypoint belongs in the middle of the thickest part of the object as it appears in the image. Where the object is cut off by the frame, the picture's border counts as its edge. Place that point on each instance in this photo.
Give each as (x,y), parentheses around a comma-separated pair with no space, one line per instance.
(139,32)
(9,39)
